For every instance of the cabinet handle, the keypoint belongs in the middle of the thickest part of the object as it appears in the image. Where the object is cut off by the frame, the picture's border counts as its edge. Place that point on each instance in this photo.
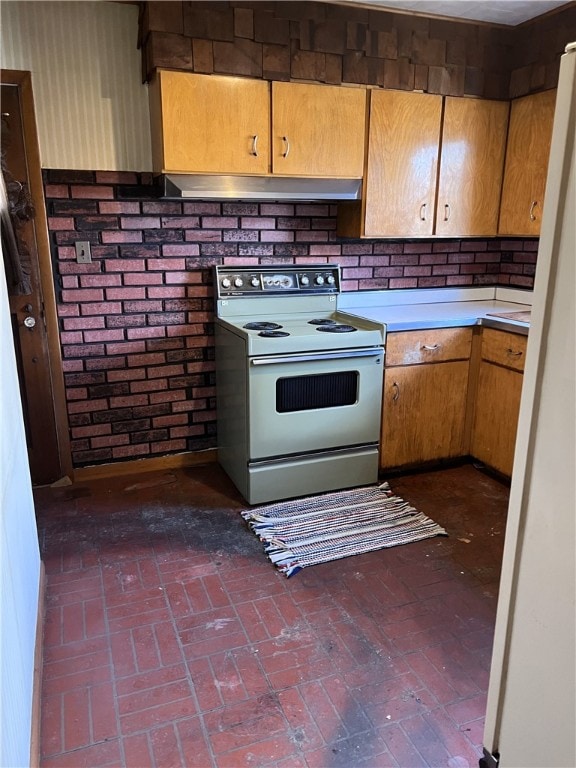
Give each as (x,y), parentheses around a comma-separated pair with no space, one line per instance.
(447,212)
(423,212)
(431,347)
(287,150)
(534,204)
(254,146)
(396,394)
(512,353)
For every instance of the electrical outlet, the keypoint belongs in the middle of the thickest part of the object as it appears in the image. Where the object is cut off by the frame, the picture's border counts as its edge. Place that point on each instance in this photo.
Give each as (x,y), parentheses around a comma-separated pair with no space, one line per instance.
(83,253)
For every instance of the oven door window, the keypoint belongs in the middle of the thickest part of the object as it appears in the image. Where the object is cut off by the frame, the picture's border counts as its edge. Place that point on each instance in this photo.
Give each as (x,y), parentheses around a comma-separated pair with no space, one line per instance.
(326,390)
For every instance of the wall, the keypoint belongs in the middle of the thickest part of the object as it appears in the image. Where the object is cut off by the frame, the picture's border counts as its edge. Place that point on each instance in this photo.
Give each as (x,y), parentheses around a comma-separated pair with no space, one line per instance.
(351,45)
(91,106)
(92,109)
(19,561)
(538,46)
(534,661)
(136,323)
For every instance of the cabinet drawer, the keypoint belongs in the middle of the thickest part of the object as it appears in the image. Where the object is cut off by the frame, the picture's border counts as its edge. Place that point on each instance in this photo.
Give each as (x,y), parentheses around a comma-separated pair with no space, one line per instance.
(430,346)
(503,348)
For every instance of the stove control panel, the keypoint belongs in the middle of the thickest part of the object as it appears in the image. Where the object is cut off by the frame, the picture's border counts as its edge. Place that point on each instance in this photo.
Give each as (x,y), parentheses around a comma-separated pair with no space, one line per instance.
(265,280)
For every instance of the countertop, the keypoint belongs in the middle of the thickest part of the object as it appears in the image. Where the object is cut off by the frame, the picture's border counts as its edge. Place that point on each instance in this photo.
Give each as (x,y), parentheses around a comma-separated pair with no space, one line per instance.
(442,308)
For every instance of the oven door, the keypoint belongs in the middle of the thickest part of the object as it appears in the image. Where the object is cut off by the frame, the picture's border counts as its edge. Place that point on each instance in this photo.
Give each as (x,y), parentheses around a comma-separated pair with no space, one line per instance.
(314,401)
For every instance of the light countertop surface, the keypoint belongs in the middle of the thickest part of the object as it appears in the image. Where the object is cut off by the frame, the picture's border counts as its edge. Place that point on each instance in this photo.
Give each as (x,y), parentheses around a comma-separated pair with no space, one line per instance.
(442,308)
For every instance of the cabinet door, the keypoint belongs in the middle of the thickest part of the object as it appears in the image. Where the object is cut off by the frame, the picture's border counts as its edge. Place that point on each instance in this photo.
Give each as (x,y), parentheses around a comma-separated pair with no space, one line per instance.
(496,416)
(471,167)
(209,124)
(424,413)
(529,137)
(403,143)
(318,130)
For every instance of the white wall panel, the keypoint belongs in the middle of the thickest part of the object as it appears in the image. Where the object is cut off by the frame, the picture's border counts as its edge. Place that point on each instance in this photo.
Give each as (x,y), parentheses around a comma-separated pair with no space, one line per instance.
(531,709)
(19,560)
(91,105)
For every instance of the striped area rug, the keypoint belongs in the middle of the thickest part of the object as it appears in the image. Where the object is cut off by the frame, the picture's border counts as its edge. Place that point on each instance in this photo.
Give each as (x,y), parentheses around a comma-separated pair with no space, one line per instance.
(317,529)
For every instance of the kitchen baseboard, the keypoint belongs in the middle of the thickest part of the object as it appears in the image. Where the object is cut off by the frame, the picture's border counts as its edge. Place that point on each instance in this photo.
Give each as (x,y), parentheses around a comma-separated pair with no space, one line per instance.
(156,464)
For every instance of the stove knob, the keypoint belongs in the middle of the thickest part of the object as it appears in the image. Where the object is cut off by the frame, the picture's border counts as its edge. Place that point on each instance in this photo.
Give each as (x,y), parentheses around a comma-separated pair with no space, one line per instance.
(319,280)
(330,280)
(238,282)
(254,282)
(226,282)
(304,280)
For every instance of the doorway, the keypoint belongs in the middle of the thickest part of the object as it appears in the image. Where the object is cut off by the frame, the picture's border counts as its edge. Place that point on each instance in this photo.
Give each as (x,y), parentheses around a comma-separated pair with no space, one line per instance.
(31,287)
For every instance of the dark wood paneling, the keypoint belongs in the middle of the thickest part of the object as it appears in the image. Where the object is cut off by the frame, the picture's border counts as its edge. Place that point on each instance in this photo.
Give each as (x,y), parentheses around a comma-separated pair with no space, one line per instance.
(341,44)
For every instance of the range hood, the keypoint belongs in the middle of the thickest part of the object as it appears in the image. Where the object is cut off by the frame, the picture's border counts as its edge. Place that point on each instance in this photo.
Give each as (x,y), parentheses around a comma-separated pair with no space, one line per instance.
(198,187)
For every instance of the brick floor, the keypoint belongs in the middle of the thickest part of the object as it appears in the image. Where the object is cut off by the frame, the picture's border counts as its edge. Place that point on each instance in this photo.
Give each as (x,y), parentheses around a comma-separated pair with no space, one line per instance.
(170,640)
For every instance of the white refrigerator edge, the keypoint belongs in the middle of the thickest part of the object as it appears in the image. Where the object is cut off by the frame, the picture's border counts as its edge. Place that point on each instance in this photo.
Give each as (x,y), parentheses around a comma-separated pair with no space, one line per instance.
(531,709)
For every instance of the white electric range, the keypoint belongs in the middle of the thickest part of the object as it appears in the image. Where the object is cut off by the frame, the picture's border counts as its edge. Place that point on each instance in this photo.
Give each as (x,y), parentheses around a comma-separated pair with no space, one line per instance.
(298,383)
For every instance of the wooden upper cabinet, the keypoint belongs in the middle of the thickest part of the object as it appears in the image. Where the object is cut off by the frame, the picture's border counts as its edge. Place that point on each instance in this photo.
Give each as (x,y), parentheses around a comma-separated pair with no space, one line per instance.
(434,167)
(318,130)
(215,124)
(209,124)
(471,167)
(403,143)
(529,138)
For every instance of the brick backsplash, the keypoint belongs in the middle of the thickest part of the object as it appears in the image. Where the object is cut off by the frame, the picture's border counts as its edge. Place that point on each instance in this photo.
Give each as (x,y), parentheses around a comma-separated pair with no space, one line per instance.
(136,324)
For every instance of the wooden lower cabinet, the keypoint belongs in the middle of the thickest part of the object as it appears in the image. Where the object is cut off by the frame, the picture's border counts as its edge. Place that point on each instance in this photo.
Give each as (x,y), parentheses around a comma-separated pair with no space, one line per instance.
(424,413)
(425,395)
(496,416)
(498,399)
(438,405)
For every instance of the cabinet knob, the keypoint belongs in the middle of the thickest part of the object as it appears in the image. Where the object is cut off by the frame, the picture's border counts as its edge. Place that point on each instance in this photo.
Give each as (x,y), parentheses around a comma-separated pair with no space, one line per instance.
(447,212)
(254,146)
(396,390)
(534,204)
(423,212)
(287,147)
(431,347)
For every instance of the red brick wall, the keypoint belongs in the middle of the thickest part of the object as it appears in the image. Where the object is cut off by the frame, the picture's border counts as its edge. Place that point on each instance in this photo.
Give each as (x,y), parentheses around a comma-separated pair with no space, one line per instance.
(136,323)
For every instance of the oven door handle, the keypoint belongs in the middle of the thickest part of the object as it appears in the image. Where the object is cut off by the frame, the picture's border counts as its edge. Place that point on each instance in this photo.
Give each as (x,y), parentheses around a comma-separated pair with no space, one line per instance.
(313,357)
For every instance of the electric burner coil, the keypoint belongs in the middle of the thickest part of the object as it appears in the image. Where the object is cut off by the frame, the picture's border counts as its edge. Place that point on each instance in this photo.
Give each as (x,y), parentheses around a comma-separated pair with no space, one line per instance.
(262,325)
(338,328)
